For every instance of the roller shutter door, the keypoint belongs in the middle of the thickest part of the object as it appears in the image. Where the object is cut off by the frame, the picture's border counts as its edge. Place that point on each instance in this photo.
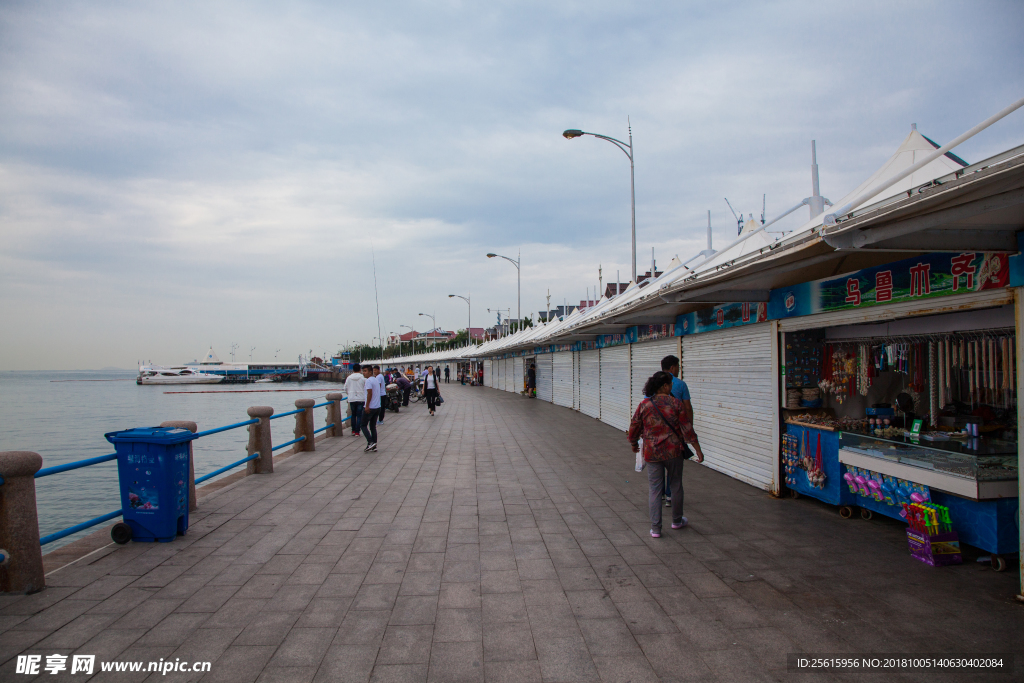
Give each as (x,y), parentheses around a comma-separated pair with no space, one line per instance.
(517,370)
(576,380)
(590,383)
(488,374)
(733,385)
(500,375)
(544,377)
(562,370)
(615,386)
(645,361)
(508,375)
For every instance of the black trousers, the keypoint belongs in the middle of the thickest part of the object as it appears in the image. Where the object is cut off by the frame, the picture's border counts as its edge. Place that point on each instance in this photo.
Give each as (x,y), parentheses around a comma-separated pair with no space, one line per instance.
(432,395)
(405,396)
(370,424)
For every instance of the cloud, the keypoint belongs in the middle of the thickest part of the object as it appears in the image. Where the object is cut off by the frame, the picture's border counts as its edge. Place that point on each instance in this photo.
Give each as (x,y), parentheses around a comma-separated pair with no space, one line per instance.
(233,172)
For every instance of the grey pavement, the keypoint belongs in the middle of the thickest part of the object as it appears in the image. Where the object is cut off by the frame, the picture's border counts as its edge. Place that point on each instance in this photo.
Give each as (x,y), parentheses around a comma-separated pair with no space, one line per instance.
(505,539)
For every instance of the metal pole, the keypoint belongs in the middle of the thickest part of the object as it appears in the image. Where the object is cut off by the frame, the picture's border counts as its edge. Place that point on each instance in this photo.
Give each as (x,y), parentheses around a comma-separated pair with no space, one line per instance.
(519,288)
(632,198)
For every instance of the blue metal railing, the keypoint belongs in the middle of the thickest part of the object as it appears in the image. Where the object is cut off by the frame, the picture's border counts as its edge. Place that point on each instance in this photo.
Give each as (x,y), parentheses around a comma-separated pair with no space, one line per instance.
(277,448)
(67,467)
(211,475)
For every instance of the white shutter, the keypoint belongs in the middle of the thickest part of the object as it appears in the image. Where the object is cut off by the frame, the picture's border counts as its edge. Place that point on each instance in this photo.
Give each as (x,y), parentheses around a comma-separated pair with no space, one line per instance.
(615,386)
(590,383)
(576,380)
(645,361)
(501,374)
(733,380)
(544,377)
(562,370)
(517,375)
(905,309)
(507,386)
(488,374)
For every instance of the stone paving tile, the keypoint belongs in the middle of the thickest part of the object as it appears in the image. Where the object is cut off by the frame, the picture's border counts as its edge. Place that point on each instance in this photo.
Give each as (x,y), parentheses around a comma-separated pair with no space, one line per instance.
(504,540)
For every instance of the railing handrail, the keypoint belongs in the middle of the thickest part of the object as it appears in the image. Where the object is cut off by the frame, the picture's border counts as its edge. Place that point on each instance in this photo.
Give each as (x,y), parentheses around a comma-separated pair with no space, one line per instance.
(211,475)
(325,403)
(57,535)
(224,429)
(290,412)
(67,467)
(293,441)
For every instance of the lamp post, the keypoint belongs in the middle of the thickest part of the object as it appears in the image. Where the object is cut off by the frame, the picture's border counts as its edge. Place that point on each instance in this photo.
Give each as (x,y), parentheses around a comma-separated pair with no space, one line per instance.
(434,320)
(627,148)
(519,282)
(469,317)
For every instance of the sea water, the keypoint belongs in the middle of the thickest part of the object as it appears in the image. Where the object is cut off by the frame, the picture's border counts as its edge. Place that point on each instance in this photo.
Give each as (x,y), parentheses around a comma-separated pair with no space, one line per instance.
(64,415)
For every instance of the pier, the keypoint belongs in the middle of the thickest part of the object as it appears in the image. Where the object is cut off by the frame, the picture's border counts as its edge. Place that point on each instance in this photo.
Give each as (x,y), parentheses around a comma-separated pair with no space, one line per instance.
(505,539)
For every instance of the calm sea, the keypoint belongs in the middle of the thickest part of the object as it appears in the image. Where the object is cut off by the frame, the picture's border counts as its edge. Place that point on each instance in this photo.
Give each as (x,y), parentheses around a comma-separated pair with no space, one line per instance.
(64,415)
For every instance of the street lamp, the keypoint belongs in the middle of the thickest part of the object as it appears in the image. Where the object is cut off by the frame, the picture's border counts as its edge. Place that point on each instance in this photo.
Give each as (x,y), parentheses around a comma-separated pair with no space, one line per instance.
(427,315)
(469,319)
(627,148)
(519,281)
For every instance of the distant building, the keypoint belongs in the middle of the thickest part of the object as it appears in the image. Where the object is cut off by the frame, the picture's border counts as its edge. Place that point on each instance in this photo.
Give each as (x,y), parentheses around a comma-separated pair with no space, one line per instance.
(434,336)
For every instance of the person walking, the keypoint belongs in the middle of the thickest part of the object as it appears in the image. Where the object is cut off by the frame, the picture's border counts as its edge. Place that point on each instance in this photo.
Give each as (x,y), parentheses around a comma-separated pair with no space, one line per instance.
(370,409)
(531,381)
(356,393)
(670,364)
(666,425)
(379,379)
(430,388)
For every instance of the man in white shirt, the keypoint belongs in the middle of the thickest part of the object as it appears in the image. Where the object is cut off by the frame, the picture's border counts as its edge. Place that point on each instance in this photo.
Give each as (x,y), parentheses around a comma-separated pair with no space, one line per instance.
(379,377)
(356,392)
(370,409)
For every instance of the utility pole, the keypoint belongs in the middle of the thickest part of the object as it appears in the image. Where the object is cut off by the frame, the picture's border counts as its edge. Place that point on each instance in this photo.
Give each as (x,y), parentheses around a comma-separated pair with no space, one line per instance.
(547,313)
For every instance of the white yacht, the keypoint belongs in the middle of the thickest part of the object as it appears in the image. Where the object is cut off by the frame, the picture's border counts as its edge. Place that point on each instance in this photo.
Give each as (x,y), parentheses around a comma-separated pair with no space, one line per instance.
(155,374)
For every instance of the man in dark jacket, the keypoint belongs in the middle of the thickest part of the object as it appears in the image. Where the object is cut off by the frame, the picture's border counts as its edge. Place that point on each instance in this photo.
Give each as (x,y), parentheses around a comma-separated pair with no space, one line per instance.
(406,387)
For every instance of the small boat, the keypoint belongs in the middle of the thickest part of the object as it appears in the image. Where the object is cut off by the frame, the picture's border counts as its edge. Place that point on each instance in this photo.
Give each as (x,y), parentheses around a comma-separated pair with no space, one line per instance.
(182,375)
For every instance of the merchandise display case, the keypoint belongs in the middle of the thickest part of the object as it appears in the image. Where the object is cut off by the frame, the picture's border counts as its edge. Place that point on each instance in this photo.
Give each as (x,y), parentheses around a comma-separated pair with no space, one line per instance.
(977,468)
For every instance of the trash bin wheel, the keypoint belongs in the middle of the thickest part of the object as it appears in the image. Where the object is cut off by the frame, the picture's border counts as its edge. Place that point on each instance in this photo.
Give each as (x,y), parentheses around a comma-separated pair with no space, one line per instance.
(793,493)
(845,511)
(866,514)
(121,533)
(998,563)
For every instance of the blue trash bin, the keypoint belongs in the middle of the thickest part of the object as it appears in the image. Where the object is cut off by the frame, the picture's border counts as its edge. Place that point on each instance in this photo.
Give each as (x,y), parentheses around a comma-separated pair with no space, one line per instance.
(152,467)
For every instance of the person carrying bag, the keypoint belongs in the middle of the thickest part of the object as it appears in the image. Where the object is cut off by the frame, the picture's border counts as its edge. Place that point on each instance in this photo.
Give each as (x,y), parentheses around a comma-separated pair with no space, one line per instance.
(666,426)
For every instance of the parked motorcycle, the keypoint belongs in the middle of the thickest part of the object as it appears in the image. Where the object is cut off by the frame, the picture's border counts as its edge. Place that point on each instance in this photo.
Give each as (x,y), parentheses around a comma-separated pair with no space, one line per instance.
(394,397)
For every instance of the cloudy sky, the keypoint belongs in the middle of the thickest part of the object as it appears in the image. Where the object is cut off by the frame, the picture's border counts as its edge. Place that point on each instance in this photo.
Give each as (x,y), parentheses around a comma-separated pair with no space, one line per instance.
(176,175)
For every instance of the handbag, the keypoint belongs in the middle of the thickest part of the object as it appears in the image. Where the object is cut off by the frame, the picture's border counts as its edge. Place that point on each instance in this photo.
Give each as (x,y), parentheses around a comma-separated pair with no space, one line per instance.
(687,453)
(640,462)
(439,401)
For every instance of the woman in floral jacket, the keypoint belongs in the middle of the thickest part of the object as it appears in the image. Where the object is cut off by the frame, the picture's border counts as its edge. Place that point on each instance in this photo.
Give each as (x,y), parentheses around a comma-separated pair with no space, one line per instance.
(666,425)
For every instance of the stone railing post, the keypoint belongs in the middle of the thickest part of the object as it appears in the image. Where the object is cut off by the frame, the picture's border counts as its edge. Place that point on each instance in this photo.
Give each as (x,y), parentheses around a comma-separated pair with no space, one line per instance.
(334,414)
(304,425)
(21,564)
(192,427)
(260,441)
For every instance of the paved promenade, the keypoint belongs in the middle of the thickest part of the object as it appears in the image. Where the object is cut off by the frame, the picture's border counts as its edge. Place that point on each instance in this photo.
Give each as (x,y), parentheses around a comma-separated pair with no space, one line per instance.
(505,539)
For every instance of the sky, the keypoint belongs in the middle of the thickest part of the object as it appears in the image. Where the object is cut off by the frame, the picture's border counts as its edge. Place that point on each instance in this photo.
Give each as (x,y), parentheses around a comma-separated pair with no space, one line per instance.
(175,176)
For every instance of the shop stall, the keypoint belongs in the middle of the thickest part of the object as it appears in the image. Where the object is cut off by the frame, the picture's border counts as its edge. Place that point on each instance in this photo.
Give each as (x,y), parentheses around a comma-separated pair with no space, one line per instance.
(900,390)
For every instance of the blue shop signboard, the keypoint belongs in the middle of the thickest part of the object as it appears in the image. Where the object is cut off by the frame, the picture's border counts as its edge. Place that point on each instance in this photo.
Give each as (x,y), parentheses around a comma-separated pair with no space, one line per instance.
(923,277)
(627,337)
(572,346)
(722,316)
(652,332)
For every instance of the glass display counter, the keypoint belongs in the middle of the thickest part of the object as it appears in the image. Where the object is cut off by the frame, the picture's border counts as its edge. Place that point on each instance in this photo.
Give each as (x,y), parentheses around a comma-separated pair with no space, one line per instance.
(980,468)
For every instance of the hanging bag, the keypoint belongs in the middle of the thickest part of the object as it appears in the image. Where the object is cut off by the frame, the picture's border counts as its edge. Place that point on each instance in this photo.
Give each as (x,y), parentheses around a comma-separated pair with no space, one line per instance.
(640,462)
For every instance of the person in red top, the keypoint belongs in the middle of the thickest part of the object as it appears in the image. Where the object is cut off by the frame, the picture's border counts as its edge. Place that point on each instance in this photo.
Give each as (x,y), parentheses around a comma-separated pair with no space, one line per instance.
(666,425)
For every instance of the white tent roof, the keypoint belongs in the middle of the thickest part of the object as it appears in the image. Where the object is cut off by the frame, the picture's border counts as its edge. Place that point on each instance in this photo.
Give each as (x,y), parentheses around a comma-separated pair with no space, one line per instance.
(210,357)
